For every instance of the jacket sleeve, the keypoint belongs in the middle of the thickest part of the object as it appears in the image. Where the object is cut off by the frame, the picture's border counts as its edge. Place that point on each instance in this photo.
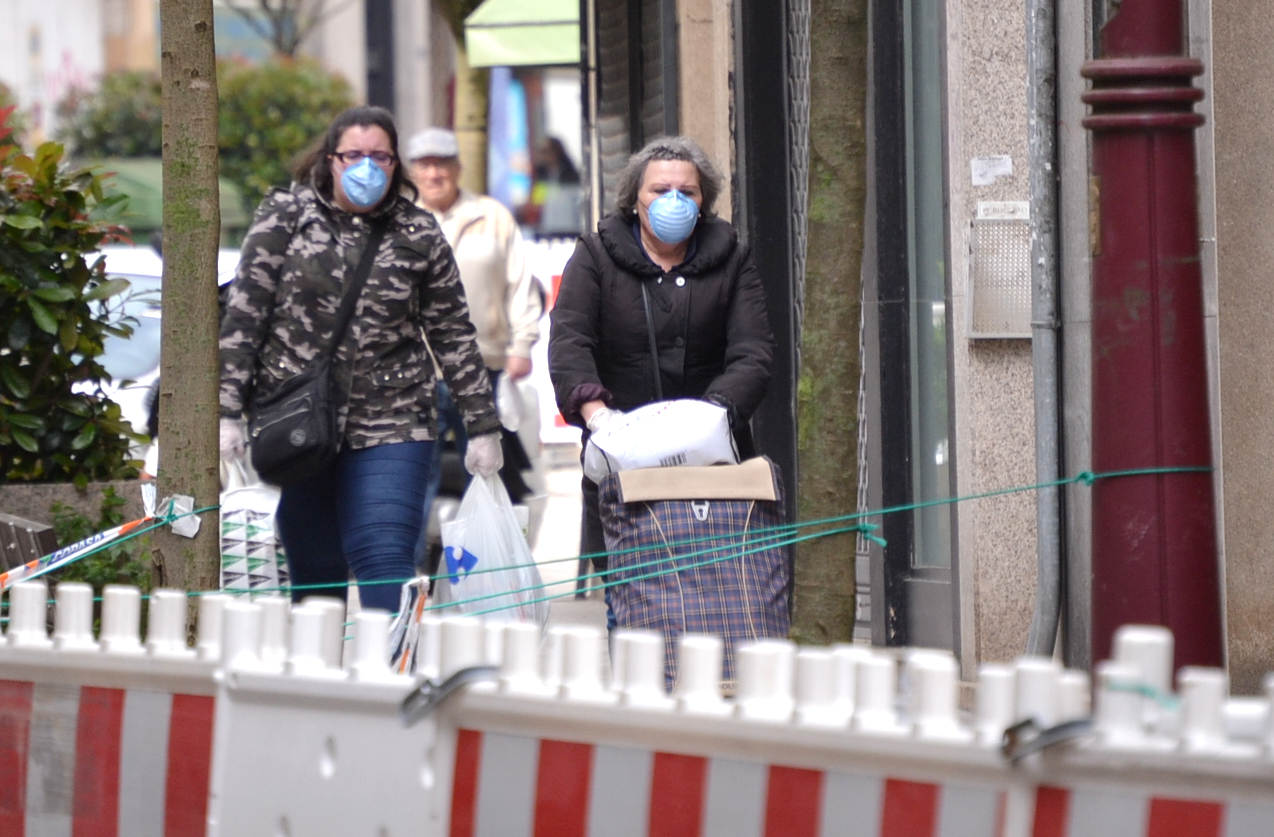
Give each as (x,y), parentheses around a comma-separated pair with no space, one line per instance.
(445,319)
(749,346)
(573,339)
(250,299)
(524,303)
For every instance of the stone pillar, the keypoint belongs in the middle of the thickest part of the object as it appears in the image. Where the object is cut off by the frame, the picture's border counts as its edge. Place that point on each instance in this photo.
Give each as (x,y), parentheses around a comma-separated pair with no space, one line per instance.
(706,45)
(1243,79)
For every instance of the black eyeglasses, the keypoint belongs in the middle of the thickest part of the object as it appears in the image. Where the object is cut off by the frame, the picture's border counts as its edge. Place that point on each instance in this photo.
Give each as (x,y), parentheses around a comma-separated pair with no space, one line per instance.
(380,158)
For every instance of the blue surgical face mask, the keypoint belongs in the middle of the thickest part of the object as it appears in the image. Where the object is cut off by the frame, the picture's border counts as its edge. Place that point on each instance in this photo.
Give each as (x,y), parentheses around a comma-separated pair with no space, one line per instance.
(364,183)
(672,217)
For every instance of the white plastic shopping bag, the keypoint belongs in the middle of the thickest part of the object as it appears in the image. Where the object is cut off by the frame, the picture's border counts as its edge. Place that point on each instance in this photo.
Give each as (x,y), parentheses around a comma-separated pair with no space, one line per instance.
(252,557)
(508,403)
(685,431)
(487,565)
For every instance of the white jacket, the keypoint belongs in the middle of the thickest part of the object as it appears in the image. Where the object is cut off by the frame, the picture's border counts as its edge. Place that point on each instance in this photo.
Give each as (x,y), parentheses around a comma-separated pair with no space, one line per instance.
(504,302)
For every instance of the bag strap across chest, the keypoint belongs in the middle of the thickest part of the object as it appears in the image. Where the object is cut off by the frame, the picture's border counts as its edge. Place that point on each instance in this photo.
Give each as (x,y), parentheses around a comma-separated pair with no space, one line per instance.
(654,346)
(349,299)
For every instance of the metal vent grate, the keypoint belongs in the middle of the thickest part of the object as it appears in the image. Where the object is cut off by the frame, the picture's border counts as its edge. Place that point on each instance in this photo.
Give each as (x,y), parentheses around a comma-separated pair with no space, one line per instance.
(1000,278)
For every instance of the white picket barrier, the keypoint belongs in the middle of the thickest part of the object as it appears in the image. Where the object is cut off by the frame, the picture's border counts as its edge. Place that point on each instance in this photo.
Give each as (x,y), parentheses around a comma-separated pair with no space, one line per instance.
(817,741)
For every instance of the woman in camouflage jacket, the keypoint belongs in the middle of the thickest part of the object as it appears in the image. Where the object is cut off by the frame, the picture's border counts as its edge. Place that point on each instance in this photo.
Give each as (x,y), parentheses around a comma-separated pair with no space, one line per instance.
(363,513)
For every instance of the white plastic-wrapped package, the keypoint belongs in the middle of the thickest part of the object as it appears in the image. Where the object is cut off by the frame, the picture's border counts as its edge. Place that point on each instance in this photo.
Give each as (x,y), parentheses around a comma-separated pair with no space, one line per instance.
(666,433)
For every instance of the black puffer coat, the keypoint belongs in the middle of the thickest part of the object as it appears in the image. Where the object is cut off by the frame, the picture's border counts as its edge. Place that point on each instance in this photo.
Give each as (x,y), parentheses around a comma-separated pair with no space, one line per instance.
(712,332)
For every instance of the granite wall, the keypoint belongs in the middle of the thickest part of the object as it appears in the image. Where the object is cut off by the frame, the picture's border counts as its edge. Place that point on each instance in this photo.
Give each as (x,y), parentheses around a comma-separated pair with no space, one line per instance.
(991,378)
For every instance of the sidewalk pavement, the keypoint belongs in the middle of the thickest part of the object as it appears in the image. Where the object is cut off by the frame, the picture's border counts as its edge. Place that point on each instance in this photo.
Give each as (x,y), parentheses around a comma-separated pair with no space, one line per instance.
(556,547)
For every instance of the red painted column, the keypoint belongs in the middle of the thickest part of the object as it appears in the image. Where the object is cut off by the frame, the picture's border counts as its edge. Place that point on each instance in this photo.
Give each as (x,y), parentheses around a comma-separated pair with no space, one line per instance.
(1154,538)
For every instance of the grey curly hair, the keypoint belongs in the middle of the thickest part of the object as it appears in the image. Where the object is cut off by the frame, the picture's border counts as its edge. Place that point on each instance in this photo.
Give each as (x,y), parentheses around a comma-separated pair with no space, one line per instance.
(628,184)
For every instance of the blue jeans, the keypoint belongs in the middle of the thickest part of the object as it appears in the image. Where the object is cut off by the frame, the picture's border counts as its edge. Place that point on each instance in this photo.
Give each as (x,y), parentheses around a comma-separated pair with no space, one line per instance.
(362,514)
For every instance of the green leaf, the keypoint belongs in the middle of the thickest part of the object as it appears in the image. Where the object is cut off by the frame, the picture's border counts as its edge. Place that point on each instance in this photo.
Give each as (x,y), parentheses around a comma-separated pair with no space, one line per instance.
(68,335)
(43,319)
(78,406)
(25,441)
(27,421)
(85,438)
(55,294)
(23,222)
(67,421)
(108,289)
(48,153)
(17,384)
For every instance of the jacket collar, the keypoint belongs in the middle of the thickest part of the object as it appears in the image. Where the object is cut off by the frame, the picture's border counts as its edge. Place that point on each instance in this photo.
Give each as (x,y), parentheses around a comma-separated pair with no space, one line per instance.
(715,239)
(466,204)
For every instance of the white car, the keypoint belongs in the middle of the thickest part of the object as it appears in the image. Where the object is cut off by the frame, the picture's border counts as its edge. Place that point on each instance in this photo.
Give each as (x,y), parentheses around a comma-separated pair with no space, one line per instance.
(133,361)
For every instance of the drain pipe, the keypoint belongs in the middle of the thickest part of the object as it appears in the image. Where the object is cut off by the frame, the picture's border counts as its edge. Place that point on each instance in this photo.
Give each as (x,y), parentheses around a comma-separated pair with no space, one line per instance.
(1041,26)
(594,133)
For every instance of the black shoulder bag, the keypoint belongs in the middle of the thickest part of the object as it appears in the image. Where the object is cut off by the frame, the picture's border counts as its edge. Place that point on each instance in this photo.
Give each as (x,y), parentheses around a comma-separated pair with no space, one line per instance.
(293,430)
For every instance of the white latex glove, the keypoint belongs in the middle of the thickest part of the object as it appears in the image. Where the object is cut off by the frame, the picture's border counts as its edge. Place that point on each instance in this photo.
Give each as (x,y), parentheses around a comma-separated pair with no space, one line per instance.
(602,417)
(231,442)
(485,457)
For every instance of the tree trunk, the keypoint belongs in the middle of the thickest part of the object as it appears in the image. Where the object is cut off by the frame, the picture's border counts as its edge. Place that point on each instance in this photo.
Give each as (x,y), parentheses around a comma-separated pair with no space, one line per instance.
(472,101)
(827,408)
(192,227)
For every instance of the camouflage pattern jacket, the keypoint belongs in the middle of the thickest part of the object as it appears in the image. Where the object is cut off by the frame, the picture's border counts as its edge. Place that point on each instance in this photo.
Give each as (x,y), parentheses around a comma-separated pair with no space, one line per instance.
(281,311)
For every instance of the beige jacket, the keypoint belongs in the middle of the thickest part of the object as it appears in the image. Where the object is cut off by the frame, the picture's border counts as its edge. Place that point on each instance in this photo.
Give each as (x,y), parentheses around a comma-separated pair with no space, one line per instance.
(504,301)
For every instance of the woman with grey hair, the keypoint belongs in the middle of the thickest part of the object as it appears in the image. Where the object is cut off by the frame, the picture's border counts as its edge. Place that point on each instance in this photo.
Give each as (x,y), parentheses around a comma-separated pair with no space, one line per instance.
(662,302)
(629,182)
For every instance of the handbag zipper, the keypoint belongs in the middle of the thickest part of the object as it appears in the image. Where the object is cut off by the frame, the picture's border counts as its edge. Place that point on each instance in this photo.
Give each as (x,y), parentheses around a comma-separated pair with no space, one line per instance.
(306,408)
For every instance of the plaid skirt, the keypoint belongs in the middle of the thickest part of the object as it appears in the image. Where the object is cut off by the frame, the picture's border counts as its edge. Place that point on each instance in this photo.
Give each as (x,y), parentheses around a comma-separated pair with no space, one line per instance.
(715,567)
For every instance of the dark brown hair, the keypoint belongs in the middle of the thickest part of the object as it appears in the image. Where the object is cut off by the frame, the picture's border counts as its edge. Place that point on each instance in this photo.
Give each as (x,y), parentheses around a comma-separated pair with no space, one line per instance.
(315,167)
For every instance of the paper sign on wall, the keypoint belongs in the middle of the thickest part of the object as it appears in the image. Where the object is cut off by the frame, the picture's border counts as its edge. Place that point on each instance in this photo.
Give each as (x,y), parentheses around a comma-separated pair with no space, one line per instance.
(986,170)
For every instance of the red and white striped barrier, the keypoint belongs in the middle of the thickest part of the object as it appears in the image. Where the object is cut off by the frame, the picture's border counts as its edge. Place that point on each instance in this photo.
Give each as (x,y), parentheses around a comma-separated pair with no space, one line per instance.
(84,760)
(109,736)
(523,787)
(112,736)
(515,786)
(1089,811)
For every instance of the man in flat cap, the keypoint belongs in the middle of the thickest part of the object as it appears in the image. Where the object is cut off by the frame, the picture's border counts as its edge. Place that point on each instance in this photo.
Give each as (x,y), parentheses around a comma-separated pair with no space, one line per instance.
(505,300)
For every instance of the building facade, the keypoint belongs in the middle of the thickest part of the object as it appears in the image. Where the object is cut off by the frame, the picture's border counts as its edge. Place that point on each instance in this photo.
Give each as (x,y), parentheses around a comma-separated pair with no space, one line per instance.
(948,345)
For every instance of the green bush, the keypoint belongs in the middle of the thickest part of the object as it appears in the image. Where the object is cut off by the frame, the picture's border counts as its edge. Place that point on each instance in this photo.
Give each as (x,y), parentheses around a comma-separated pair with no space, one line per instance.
(122,118)
(126,562)
(270,113)
(55,424)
